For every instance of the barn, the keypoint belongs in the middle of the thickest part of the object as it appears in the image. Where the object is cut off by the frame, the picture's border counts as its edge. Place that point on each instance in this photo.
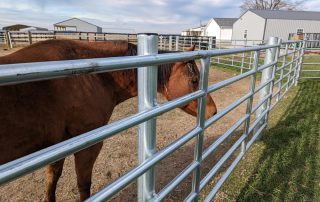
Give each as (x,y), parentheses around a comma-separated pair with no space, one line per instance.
(221,28)
(262,24)
(78,25)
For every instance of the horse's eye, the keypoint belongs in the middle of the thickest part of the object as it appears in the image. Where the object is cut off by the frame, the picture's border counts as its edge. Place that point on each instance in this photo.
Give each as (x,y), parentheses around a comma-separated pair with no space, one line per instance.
(194,81)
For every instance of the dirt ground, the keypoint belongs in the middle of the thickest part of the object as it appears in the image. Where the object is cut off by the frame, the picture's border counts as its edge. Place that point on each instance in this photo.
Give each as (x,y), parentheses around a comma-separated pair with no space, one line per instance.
(119,153)
(5,51)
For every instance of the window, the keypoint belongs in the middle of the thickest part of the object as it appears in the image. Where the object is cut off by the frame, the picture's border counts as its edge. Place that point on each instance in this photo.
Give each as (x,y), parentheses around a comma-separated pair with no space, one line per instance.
(245,34)
(299,31)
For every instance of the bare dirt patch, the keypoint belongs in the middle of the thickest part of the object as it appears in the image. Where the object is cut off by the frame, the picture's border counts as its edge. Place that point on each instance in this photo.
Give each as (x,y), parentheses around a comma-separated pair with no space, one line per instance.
(119,153)
(6,51)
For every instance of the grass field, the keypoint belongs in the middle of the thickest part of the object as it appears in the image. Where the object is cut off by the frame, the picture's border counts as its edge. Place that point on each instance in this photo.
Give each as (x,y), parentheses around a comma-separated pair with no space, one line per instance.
(285,164)
(311,59)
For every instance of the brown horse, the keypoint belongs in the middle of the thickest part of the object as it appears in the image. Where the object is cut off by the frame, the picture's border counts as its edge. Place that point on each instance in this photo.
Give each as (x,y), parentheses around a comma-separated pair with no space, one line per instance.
(36,115)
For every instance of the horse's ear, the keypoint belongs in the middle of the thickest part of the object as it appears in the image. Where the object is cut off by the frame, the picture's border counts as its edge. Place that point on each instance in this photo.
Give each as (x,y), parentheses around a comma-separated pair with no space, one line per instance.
(191,48)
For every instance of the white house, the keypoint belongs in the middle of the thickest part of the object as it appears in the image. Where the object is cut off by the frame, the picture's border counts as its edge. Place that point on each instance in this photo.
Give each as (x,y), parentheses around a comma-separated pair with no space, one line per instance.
(262,24)
(78,25)
(221,28)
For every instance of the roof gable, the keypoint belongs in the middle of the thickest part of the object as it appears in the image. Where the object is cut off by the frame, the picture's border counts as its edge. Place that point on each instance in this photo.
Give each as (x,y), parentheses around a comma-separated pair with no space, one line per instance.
(287,15)
(71,19)
(225,22)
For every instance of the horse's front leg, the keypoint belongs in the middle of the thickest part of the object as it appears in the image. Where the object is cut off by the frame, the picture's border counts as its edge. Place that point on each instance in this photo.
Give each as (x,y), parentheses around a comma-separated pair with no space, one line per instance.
(84,161)
(54,171)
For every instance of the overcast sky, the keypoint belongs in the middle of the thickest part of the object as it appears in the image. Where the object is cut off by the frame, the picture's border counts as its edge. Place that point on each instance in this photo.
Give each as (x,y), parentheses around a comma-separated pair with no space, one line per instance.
(161,16)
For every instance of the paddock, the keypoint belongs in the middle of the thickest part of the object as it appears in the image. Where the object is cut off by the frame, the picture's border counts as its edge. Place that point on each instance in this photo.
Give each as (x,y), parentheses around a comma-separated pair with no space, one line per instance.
(119,154)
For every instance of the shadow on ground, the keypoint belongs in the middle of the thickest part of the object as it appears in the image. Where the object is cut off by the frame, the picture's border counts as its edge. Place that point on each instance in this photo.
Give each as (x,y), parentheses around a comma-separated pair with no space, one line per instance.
(289,169)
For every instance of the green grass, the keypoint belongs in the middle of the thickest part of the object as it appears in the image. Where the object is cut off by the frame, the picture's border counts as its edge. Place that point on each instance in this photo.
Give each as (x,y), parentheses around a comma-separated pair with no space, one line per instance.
(307,59)
(285,164)
(311,59)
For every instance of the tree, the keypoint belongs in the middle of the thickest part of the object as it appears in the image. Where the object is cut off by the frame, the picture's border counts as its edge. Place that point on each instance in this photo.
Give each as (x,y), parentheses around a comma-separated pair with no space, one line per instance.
(271,5)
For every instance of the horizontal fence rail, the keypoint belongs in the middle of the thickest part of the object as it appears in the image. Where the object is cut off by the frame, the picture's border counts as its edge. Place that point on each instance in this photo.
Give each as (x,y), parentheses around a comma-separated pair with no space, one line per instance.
(311,61)
(165,42)
(278,63)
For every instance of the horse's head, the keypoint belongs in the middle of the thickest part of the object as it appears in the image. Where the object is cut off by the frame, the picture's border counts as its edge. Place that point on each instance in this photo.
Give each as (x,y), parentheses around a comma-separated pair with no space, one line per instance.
(184,79)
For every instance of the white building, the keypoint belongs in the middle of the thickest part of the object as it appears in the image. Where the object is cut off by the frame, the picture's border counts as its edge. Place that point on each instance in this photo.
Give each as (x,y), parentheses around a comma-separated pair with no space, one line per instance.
(197,31)
(262,24)
(78,25)
(221,28)
(33,29)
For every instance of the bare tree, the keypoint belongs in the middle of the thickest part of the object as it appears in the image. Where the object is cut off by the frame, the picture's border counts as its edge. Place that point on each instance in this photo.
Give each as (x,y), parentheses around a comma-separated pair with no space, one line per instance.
(272,5)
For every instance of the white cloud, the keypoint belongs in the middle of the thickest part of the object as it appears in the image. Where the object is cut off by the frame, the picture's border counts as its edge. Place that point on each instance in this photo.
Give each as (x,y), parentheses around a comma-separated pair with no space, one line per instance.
(142,15)
(312,5)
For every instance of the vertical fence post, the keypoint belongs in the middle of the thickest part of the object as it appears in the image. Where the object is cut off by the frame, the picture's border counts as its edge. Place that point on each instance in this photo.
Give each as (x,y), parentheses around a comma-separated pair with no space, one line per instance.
(300,62)
(242,63)
(204,72)
(284,60)
(30,37)
(296,64)
(147,95)
(170,43)
(8,39)
(177,43)
(210,43)
(160,44)
(291,67)
(267,74)
(255,66)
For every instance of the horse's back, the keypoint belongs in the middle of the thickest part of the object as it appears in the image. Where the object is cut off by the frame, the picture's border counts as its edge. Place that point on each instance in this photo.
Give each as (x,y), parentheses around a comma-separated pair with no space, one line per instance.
(59,49)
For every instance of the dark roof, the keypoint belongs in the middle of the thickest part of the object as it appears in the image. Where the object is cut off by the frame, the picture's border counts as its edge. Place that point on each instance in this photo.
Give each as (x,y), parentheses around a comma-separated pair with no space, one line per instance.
(16,27)
(288,15)
(76,19)
(225,22)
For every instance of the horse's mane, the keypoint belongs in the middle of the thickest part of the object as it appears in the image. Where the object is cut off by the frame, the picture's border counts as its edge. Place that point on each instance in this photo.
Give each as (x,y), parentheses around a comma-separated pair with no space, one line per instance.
(164,70)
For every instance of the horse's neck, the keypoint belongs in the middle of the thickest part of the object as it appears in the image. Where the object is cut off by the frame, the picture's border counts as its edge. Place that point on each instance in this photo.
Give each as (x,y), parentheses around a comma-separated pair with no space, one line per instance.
(124,83)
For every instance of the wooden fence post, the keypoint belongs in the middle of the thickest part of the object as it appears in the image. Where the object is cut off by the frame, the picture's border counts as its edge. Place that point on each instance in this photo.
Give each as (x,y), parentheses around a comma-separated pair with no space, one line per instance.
(30,37)
(8,39)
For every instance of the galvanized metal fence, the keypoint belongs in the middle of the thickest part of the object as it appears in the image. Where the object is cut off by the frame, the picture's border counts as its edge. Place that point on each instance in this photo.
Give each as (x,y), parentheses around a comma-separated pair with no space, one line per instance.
(311,61)
(2,37)
(272,88)
(166,42)
(181,43)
